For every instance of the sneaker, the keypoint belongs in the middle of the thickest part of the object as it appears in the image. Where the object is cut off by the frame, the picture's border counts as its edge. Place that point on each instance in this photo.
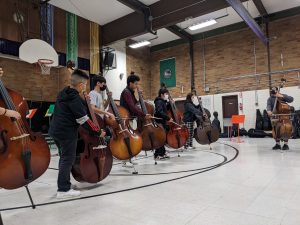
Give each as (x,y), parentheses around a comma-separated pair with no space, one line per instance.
(159,157)
(74,186)
(68,194)
(127,164)
(166,156)
(285,147)
(133,163)
(276,147)
(191,148)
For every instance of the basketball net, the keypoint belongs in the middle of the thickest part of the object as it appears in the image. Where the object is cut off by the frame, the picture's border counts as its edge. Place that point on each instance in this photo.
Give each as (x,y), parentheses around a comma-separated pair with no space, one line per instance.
(45,65)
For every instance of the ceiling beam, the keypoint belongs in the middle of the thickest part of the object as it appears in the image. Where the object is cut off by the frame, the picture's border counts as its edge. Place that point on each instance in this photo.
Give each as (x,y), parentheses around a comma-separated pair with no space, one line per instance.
(260,7)
(163,14)
(180,32)
(143,9)
(245,15)
(134,5)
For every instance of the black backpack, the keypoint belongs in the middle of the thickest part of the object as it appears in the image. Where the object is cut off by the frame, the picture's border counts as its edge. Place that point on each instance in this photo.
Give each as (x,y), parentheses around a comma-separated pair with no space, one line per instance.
(254,133)
(259,120)
(296,125)
(267,125)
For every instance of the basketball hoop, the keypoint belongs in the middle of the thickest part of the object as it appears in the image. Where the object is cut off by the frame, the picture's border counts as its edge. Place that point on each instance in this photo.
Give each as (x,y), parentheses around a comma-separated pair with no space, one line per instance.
(40,53)
(45,65)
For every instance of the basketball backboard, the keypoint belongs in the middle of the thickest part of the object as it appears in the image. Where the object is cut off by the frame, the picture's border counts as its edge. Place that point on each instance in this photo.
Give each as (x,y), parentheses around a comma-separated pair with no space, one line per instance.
(33,50)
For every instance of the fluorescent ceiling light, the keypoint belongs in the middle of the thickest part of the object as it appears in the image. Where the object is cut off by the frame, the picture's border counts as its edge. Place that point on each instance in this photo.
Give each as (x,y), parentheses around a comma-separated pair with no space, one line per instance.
(203,24)
(140,44)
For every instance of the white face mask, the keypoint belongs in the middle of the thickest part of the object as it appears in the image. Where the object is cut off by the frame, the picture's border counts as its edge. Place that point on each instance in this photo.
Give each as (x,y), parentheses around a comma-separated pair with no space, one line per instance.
(195,101)
(166,97)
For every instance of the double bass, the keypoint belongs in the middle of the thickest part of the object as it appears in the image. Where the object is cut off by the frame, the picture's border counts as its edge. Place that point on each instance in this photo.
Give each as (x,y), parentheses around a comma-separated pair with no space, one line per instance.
(125,143)
(178,133)
(94,159)
(281,117)
(153,134)
(24,155)
(205,133)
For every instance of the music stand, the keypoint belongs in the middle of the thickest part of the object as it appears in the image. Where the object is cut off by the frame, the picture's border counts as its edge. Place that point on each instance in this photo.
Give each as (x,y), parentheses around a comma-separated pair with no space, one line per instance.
(50,112)
(30,115)
(237,119)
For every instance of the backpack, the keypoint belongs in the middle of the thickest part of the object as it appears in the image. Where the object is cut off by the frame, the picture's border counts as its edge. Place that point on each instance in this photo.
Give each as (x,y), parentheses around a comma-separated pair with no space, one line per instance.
(259,120)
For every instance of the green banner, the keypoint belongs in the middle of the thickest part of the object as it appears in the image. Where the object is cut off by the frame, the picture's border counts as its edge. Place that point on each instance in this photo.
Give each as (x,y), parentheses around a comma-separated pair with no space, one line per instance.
(72,37)
(168,72)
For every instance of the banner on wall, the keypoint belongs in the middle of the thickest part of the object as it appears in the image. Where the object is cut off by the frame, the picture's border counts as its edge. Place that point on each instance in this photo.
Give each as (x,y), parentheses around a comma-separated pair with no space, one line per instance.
(47,31)
(72,37)
(94,48)
(168,72)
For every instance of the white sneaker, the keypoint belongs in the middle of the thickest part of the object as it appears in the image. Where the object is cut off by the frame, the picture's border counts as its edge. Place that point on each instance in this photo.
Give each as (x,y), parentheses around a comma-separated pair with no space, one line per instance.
(190,148)
(74,186)
(133,163)
(68,194)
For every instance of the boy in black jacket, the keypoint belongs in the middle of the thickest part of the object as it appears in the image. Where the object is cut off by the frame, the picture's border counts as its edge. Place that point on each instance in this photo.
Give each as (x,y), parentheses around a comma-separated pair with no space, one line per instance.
(161,106)
(69,113)
(191,113)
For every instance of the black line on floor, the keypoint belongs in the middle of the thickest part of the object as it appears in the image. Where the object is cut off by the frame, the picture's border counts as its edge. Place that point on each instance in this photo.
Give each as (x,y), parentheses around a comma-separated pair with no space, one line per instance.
(130,189)
(174,172)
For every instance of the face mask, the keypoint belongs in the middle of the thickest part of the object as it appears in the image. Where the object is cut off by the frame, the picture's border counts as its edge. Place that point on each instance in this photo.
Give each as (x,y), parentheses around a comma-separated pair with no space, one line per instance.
(195,101)
(166,97)
(103,88)
(273,91)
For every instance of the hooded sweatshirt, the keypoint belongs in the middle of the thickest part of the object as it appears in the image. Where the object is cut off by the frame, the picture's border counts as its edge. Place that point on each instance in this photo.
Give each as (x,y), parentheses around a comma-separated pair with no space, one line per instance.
(69,113)
(161,107)
(191,112)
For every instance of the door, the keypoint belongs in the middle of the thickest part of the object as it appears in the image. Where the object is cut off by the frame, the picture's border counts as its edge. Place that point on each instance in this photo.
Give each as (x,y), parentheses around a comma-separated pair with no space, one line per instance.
(230,107)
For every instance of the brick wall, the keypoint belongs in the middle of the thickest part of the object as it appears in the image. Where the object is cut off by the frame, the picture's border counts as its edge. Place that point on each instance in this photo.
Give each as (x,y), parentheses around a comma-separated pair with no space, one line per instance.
(181,53)
(27,80)
(227,56)
(139,62)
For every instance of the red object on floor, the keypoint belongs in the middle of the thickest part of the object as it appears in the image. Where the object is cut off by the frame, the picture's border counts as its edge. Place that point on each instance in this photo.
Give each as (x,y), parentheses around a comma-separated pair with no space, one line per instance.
(237,119)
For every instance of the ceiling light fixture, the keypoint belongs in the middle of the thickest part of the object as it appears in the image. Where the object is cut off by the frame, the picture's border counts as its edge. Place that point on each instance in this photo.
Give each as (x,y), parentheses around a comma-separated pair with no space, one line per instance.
(140,44)
(203,24)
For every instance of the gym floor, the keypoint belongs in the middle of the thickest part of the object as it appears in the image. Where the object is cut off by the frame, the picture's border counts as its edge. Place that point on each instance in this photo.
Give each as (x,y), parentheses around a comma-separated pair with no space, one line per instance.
(234,184)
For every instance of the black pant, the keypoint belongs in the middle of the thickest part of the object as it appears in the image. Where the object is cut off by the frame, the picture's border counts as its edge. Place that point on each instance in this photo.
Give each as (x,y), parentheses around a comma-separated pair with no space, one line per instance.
(160,151)
(67,153)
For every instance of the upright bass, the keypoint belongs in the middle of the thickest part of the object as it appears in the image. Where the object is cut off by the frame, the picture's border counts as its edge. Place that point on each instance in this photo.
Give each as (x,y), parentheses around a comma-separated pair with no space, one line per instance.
(281,118)
(24,155)
(125,143)
(205,133)
(153,134)
(94,159)
(178,133)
